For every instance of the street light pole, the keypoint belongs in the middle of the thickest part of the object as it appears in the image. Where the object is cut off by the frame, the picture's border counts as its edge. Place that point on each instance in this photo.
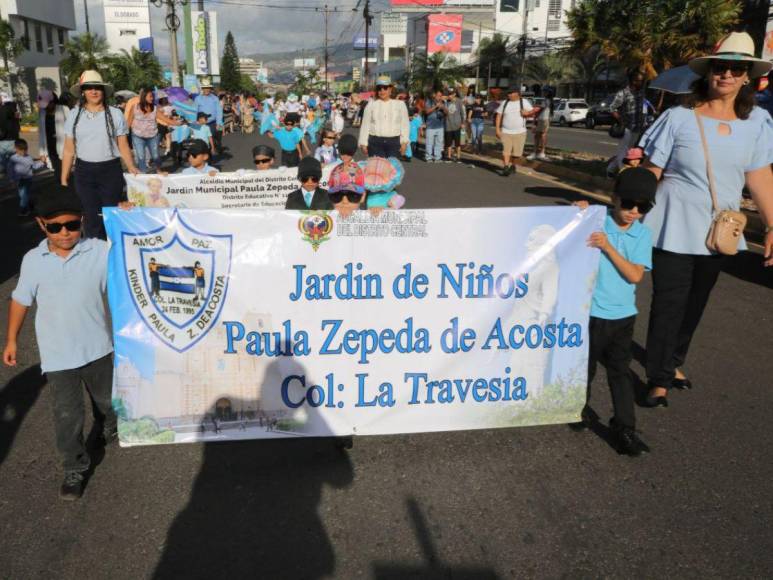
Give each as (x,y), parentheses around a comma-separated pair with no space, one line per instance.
(86,10)
(368,19)
(524,39)
(326,12)
(173,24)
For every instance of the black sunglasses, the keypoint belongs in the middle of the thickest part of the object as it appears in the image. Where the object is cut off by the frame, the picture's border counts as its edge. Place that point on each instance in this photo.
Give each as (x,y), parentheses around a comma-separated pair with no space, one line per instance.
(351,196)
(91,87)
(736,69)
(313,178)
(329,137)
(56,227)
(629,204)
(263,160)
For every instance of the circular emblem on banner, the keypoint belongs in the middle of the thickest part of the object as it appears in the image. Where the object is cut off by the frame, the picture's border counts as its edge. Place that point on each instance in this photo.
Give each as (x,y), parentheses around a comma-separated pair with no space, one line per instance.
(444,37)
(315,227)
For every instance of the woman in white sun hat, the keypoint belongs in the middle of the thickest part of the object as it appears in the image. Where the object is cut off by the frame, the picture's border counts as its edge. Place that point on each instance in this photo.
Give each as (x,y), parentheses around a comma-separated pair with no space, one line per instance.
(96,140)
(739,139)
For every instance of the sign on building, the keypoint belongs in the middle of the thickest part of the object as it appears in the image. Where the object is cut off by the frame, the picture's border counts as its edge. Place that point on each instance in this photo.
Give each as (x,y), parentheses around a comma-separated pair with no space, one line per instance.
(444,33)
(206,57)
(126,22)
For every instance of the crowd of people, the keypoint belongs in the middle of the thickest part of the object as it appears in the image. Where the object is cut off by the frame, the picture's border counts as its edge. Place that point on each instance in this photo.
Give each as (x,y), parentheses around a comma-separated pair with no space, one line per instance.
(680,186)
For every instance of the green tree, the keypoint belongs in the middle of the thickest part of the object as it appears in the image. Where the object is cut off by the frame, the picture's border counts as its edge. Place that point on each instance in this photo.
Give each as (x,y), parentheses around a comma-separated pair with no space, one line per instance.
(586,67)
(134,70)
(435,71)
(651,34)
(10,48)
(246,84)
(306,81)
(230,77)
(495,51)
(551,69)
(84,52)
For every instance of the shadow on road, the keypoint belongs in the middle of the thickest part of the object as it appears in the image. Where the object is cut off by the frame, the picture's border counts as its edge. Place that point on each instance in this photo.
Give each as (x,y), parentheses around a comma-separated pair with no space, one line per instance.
(19,234)
(432,568)
(747,266)
(253,509)
(16,399)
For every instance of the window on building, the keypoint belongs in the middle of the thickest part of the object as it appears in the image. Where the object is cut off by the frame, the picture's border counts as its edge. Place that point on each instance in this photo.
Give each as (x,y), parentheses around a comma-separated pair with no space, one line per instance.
(38,37)
(49,40)
(554,25)
(554,8)
(508,5)
(127,32)
(25,39)
(62,39)
(467,36)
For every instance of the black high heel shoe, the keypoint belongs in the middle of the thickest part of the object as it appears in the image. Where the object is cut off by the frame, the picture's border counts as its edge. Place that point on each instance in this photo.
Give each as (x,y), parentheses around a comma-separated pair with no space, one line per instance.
(653,402)
(684,384)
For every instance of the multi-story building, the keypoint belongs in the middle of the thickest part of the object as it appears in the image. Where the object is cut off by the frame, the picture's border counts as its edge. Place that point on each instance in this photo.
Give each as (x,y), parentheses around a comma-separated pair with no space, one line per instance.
(43,27)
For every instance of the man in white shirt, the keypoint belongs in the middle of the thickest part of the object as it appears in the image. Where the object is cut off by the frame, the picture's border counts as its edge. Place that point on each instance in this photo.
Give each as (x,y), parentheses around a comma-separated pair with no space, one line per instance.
(511,127)
(385,130)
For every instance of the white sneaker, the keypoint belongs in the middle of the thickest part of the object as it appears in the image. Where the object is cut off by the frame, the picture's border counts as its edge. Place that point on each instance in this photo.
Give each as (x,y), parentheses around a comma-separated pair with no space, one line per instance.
(542,157)
(532,157)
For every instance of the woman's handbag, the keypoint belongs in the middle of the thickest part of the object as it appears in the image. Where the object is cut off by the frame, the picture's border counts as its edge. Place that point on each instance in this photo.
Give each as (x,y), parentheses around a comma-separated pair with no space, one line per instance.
(726,225)
(617,130)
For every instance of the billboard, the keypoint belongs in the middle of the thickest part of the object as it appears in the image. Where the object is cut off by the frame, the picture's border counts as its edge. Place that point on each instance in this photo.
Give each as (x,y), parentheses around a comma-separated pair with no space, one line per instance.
(359,42)
(444,33)
(206,57)
(431,3)
(304,63)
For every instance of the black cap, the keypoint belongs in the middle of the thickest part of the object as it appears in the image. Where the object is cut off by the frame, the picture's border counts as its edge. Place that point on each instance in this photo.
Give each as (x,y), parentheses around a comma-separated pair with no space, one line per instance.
(347,145)
(201,114)
(57,200)
(513,89)
(263,150)
(197,147)
(309,167)
(636,183)
(294,117)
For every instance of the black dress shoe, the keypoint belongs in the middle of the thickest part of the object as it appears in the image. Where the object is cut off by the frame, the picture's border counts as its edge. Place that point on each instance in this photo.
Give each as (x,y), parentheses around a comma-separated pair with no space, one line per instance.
(588,418)
(684,384)
(72,486)
(628,442)
(656,402)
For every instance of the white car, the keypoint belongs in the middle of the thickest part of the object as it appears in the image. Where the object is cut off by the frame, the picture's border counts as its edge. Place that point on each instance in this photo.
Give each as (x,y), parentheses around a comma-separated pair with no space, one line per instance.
(570,111)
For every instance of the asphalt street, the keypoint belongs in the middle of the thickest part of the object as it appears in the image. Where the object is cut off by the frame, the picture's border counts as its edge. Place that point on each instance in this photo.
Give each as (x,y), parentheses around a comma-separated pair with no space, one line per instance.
(578,139)
(539,502)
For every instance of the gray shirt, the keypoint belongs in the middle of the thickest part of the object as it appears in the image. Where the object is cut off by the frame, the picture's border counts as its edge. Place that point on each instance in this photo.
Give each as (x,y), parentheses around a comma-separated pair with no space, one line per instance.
(92,143)
(455,117)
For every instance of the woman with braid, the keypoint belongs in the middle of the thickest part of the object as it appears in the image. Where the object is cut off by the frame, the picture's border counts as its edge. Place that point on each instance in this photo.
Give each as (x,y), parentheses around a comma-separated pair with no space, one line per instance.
(96,142)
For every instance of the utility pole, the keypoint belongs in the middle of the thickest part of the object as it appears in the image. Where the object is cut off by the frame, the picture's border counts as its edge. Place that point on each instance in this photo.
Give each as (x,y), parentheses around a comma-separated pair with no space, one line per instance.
(368,22)
(524,39)
(86,10)
(477,66)
(172,25)
(326,12)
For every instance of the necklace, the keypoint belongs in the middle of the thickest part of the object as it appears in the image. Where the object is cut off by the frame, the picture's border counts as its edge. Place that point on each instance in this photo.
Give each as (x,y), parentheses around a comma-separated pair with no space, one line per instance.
(91,115)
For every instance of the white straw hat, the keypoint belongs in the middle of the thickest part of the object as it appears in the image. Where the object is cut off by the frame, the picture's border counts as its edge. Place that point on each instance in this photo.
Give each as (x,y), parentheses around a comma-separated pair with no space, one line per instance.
(736,46)
(91,77)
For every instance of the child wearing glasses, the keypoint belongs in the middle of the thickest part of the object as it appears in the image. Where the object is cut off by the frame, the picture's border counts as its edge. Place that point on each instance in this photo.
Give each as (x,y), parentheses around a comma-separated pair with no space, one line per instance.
(327,153)
(346,188)
(626,252)
(67,275)
(290,139)
(263,156)
(309,196)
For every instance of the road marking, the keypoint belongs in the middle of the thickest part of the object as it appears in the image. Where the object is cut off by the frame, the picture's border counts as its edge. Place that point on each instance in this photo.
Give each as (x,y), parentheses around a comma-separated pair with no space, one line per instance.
(609,142)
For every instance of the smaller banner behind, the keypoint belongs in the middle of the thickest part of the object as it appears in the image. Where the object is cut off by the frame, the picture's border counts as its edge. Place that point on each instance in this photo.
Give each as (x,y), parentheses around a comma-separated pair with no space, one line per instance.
(238,190)
(245,324)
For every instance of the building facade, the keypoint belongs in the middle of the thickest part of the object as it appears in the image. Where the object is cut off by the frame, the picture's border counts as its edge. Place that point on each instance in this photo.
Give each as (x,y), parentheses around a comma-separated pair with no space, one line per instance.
(43,26)
(126,21)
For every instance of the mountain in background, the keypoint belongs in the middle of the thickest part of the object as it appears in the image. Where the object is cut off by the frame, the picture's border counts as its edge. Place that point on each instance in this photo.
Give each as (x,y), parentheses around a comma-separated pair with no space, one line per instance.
(341,57)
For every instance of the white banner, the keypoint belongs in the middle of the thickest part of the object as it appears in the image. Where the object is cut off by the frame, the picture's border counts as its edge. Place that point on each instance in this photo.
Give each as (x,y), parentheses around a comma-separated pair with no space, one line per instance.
(241,189)
(254,324)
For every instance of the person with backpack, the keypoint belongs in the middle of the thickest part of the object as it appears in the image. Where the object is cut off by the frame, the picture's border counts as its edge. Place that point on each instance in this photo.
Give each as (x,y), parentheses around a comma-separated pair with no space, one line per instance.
(510,127)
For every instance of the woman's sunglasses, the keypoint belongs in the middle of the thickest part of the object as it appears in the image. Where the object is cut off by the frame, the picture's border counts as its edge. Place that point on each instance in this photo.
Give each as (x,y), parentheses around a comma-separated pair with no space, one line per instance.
(351,197)
(56,227)
(736,69)
(629,204)
(91,87)
(329,137)
(262,160)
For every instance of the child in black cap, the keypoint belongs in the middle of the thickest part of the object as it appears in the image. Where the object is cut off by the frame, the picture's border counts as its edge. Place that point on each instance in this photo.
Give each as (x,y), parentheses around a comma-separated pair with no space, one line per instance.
(626,246)
(263,156)
(66,275)
(198,160)
(310,195)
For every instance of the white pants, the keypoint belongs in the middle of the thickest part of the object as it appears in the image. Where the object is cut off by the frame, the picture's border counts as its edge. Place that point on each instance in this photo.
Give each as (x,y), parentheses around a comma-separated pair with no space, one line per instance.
(626,142)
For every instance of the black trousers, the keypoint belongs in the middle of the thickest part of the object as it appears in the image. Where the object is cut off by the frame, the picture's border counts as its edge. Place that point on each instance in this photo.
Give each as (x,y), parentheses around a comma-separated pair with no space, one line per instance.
(383,146)
(290,158)
(67,389)
(681,286)
(98,185)
(217,135)
(610,344)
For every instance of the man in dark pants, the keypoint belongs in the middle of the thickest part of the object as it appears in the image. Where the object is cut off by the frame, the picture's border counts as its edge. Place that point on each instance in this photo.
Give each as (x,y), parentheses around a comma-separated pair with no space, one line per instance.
(385,130)
(208,103)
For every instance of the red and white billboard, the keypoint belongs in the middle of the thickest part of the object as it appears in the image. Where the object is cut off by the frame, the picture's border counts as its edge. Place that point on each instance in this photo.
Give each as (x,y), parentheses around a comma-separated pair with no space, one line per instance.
(444,33)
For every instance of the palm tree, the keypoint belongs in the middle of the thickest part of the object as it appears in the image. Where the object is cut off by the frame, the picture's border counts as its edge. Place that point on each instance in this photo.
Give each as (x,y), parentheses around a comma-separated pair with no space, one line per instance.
(550,69)
(84,52)
(496,51)
(435,71)
(133,70)
(586,68)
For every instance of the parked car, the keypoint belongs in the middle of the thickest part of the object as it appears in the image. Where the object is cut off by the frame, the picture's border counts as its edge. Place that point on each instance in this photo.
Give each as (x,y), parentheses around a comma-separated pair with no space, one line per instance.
(600,114)
(570,112)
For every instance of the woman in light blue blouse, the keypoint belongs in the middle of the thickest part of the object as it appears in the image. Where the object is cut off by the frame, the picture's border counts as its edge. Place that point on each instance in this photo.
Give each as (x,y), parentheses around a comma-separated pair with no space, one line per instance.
(740,143)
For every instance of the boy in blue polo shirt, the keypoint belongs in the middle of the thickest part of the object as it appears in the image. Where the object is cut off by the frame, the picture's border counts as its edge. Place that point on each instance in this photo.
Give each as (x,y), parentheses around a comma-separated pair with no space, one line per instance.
(66,275)
(290,139)
(626,246)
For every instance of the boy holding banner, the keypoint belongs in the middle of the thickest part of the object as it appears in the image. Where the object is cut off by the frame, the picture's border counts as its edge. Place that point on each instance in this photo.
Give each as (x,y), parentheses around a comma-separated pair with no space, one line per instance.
(66,276)
(626,246)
